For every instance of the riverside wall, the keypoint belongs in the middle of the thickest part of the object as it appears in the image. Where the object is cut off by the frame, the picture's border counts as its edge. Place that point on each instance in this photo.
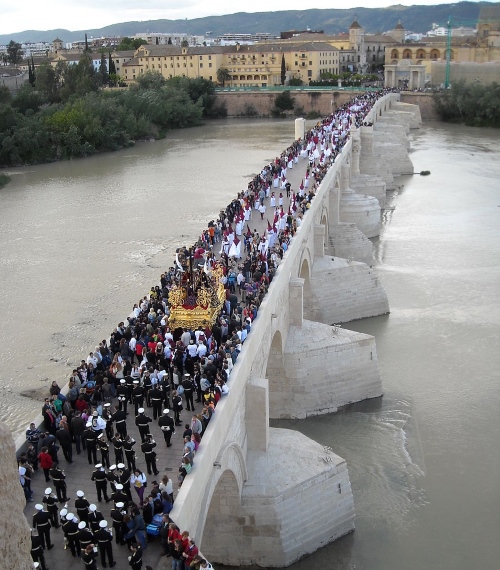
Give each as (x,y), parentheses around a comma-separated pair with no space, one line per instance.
(424,101)
(260,103)
(324,102)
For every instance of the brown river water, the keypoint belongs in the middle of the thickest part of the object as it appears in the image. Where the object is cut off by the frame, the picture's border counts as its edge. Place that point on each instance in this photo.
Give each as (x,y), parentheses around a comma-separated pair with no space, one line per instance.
(83,240)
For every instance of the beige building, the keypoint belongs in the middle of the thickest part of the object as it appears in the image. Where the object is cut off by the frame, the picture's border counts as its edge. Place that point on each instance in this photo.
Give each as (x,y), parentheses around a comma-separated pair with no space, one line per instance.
(467,55)
(248,65)
(172,61)
(358,51)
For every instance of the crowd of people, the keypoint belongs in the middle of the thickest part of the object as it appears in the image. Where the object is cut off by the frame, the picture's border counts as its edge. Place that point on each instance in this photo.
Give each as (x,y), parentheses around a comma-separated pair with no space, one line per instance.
(151,373)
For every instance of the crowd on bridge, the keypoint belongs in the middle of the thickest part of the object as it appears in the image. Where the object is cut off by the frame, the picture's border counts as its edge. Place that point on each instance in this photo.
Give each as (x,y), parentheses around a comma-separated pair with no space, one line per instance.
(148,373)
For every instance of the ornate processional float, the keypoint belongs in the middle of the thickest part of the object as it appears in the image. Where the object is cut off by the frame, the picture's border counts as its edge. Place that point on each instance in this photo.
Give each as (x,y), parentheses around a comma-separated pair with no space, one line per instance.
(198,297)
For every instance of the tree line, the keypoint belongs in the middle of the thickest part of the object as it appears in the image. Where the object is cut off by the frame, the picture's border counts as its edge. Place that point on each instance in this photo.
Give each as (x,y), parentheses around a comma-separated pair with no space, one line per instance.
(65,113)
(472,104)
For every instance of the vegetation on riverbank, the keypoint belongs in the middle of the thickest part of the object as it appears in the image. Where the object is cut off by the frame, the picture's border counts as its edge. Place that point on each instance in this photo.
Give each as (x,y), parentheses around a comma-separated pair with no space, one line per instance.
(4,180)
(472,104)
(67,114)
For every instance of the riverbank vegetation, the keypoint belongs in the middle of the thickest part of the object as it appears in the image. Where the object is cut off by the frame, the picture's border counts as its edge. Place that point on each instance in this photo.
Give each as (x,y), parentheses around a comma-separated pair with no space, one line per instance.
(67,113)
(472,104)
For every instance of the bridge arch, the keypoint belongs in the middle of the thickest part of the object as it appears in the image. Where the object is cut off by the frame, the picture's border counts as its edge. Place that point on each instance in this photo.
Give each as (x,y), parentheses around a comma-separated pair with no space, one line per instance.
(275,373)
(324,222)
(222,498)
(305,267)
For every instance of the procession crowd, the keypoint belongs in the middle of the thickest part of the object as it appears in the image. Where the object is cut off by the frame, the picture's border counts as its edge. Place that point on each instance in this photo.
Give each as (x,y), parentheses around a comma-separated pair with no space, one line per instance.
(150,374)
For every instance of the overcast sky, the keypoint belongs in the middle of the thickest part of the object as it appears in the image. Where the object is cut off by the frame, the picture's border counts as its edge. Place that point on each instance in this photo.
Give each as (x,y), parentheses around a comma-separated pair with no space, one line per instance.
(90,14)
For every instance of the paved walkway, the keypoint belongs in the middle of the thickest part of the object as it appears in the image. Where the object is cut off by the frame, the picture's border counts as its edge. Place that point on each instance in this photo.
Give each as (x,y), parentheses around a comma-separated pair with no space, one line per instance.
(79,472)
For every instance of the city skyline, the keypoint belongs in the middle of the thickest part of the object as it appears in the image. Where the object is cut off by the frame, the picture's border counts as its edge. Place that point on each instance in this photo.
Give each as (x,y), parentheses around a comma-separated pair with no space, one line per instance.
(70,15)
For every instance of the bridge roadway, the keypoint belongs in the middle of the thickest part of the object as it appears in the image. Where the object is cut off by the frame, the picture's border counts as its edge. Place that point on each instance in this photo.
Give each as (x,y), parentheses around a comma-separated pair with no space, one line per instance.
(79,472)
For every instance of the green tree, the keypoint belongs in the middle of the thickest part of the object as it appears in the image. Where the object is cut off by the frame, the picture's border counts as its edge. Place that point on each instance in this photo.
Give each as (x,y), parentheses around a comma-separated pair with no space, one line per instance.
(283,69)
(150,80)
(130,44)
(184,44)
(296,81)
(48,81)
(28,98)
(79,79)
(111,65)
(103,71)
(471,103)
(282,102)
(200,91)
(223,75)
(31,75)
(14,52)
(5,95)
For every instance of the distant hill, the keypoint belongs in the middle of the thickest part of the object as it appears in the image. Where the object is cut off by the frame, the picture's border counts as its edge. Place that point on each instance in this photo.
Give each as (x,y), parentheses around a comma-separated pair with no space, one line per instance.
(414,18)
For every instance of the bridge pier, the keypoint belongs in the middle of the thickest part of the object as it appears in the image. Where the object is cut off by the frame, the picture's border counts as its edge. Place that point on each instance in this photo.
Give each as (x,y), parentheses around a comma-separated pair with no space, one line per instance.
(257,414)
(297,498)
(361,210)
(323,369)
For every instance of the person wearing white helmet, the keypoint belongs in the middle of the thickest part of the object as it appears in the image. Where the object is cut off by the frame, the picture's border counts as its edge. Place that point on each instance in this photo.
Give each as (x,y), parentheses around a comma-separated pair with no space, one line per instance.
(90,438)
(70,528)
(104,539)
(117,515)
(101,482)
(122,393)
(142,421)
(95,517)
(85,535)
(82,506)
(167,426)
(119,496)
(137,396)
(41,522)
(50,501)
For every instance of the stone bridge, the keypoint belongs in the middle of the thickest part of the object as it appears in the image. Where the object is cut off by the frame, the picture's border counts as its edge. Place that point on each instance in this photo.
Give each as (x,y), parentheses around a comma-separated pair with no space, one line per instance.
(266,496)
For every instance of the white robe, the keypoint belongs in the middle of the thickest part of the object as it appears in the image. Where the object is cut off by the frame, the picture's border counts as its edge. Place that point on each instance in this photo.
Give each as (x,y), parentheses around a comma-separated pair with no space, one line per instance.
(282,223)
(239,228)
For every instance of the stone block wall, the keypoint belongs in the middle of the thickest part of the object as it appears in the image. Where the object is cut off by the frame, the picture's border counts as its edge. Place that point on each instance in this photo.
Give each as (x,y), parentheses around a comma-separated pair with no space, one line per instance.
(260,103)
(345,240)
(343,292)
(297,499)
(424,102)
(15,541)
(323,369)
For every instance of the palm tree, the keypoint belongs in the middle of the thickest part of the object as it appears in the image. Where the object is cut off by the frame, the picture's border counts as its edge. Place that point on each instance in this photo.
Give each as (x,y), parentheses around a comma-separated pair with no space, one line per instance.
(223,75)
